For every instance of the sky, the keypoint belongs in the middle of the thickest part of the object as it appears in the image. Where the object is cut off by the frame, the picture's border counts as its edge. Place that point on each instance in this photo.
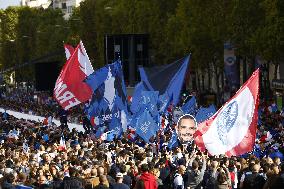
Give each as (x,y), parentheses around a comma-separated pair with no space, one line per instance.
(5,3)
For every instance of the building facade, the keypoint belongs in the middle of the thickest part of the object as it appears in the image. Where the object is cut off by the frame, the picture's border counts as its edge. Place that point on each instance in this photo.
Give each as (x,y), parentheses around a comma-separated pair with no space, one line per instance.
(66,6)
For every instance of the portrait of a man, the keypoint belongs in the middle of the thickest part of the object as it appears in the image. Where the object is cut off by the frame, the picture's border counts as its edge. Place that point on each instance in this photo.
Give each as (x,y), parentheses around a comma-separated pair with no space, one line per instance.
(186,127)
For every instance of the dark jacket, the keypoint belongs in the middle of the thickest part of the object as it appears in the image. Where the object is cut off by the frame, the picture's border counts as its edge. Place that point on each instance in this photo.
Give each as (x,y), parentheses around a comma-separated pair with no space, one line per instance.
(71,183)
(7,185)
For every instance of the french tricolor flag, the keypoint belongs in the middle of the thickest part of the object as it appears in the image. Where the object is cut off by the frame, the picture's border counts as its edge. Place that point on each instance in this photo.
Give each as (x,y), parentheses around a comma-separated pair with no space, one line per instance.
(232,130)
(62,144)
(69,50)
(132,134)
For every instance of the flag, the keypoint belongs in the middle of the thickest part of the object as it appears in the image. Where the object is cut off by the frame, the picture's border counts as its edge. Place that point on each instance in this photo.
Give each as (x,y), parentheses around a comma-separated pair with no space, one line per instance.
(124,120)
(26,147)
(115,126)
(135,104)
(164,101)
(62,144)
(205,113)
(110,135)
(69,50)
(173,141)
(145,126)
(70,90)
(149,100)
(103,136)
(230,66)
(276,154)
(177,113)
(232,130)
(166,79)
(132,134)
(189,106)
(109,93)
(100,131)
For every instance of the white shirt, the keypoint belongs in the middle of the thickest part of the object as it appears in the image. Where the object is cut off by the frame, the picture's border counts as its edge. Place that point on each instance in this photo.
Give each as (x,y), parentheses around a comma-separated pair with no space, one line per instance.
(178,181)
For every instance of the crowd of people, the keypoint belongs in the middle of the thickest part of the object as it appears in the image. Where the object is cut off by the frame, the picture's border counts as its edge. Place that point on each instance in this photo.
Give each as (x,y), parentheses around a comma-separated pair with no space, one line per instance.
(36,103)
(36,155)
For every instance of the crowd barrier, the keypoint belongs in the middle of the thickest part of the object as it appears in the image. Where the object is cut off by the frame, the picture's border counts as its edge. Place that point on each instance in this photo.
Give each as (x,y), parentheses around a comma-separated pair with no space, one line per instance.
(19,115)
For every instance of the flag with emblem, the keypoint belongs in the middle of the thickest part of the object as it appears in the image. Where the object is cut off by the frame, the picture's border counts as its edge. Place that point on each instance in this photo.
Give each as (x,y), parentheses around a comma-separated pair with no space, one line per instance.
(109,93)
(146,127)
(232,130)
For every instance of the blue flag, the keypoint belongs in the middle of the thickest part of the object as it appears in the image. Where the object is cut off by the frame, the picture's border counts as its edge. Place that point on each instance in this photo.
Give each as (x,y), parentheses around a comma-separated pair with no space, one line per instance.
(100,131)
(115,125)
(146,126)
(149,100)
(276,154)
(173,141)
(205,113)
(164,102)
(167,79)
(135,104)
(109,96)
(110,136)
(189,106)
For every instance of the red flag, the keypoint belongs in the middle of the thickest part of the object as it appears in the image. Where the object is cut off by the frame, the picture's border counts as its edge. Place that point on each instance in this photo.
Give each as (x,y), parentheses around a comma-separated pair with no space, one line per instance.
(232,129)
(70,88)
(69,50)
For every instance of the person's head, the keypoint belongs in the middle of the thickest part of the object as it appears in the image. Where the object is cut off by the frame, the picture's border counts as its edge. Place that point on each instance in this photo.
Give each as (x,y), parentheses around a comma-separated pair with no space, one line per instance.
(101,171)
(222,177)
(103,180)
(186,127)
(195,165)
(181,169)
(123,168)
(94,172)
(269,161)
(144,168)
(277,161)
(10,178)
(41,179)
(22,177)
(275,168)
(119,177)
(255,168)
(156,173)
(214,164)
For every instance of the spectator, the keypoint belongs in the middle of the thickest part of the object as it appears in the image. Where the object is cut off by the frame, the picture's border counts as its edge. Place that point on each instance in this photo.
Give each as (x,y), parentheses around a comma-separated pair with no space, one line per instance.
(253,180)
(103,183)
(146,180)
(119,184)
(178,179)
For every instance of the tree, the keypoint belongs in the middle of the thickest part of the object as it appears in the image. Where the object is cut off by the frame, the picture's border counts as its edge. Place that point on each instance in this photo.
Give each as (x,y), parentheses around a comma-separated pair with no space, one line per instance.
(9,19)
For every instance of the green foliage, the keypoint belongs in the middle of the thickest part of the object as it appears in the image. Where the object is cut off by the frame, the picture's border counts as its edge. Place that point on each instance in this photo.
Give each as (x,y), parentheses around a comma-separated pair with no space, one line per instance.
(176,28)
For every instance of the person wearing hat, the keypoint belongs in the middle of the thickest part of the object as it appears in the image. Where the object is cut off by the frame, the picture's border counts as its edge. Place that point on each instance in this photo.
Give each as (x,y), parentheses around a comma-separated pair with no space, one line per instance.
(119,184)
